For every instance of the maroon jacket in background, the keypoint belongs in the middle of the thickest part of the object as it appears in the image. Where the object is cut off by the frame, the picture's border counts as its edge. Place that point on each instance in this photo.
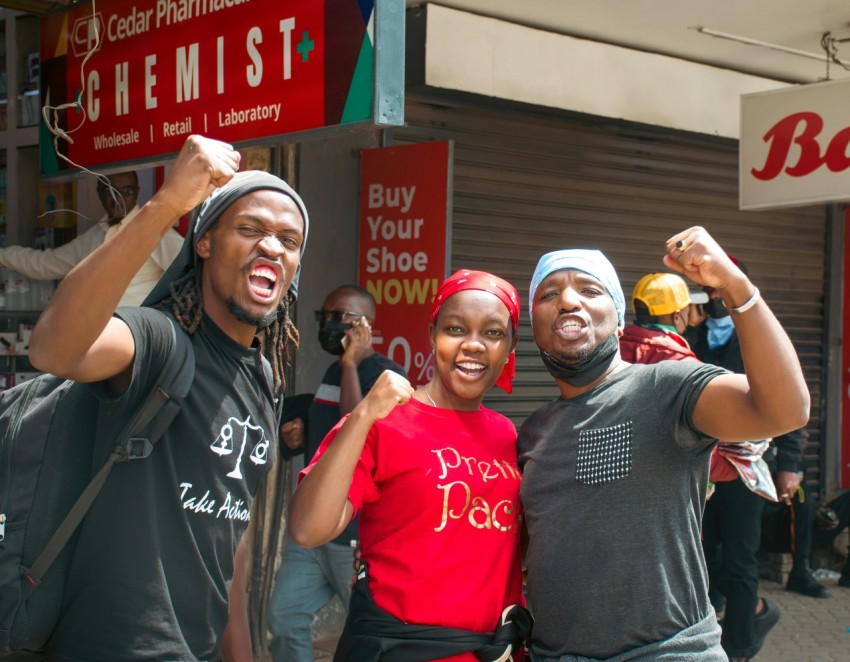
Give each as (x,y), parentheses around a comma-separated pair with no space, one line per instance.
(642,345)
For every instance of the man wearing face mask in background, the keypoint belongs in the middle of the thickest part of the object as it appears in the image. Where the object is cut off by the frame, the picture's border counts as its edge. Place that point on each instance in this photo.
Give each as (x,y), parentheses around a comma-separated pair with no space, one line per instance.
(309,578)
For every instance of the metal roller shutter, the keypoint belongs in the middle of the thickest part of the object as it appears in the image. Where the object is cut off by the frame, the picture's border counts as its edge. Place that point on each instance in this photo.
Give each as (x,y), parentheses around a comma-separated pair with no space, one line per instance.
(530,180)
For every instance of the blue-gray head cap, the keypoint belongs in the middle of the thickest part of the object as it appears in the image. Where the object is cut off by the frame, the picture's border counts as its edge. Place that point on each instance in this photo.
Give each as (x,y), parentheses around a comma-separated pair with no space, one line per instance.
(591,262)
(209,211)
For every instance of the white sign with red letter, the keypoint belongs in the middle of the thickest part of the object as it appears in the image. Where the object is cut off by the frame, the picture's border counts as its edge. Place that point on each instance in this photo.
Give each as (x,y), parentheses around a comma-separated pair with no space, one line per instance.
(795,146)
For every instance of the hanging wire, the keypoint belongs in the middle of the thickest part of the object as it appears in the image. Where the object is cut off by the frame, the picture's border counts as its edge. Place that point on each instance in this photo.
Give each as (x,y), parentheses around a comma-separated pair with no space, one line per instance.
(828,43)
(50,115)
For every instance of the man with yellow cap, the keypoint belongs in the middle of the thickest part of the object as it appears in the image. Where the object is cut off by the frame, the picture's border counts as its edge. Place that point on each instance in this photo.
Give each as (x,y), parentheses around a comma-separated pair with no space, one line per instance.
(662,303)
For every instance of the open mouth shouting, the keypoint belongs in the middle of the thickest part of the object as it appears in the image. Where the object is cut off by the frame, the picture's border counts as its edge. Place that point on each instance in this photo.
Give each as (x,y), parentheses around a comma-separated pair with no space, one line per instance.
(570,327)
(263,279)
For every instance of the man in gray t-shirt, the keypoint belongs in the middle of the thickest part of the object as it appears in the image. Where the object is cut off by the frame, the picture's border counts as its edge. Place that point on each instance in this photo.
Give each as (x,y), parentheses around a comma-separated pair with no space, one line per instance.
(615,471)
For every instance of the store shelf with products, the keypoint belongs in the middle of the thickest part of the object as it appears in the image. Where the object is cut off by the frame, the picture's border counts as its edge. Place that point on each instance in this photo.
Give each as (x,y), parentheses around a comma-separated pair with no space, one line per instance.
(3,197)
(19,127)
(15,330)
(4,110)
(21,302)
(28,69)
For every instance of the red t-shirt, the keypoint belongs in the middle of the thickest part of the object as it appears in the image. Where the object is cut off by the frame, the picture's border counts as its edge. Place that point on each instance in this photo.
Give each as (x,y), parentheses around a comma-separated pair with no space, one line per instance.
(721,470)
(438,495)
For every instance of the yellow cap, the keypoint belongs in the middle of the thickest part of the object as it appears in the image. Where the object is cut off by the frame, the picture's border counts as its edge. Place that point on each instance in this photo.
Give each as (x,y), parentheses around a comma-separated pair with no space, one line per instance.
(662,294)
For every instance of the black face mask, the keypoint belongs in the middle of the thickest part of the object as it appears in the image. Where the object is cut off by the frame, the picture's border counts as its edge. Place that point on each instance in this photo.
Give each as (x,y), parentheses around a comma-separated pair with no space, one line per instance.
(331,335)
(587,370)
(715,308)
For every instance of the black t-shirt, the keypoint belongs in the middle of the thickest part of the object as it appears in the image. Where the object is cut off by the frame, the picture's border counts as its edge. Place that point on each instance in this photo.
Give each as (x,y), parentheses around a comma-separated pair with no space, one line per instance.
(154,561)
(324,412)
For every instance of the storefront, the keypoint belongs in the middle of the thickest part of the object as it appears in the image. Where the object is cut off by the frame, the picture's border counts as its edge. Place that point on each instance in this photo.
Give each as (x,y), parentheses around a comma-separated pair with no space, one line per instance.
(531,173)
(531,170)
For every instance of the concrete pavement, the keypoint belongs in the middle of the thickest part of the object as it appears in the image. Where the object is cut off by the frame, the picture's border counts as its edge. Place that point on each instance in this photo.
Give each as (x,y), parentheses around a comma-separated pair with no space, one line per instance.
(809,629)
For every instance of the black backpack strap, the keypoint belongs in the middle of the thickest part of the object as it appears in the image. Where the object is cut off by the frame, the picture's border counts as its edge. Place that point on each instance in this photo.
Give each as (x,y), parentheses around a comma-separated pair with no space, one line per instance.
(159,408)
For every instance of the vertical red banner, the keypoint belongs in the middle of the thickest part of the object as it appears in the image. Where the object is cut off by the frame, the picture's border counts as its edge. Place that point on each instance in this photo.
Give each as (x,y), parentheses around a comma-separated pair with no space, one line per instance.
(845,359)
(404,222)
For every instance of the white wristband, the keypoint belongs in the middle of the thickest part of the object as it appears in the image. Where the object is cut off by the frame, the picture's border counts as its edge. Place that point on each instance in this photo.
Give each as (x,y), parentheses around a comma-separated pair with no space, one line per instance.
(749,303)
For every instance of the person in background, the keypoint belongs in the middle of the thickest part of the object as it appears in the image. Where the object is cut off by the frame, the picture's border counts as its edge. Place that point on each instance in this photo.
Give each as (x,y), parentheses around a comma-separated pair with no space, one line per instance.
(433,475)
(810,527)
(830,520)
(615,471)
(662,305)
(787,458)
(118,198)
(165,535)
(309,578)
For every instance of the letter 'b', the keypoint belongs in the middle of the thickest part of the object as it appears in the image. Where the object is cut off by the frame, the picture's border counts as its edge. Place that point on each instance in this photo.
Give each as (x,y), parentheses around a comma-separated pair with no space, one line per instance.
(803,130)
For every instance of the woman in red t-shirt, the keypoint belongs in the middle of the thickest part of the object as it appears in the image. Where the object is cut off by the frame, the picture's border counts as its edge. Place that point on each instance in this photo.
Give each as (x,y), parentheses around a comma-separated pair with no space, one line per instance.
(434,477)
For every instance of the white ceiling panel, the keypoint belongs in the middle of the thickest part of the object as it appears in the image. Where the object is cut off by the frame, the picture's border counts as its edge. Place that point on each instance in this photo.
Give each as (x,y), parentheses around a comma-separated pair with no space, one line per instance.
(669,27)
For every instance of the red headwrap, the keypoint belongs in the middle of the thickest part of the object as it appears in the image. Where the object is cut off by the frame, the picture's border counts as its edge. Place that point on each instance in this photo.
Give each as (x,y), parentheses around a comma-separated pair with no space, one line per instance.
(464,279)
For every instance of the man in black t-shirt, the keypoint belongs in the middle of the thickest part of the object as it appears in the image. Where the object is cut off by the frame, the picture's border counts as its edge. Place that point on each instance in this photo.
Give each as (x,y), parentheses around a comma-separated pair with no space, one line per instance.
(156,570)
(309,578)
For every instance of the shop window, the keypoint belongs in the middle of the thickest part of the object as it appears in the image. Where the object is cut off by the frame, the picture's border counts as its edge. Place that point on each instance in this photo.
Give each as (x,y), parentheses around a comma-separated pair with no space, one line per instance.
(28,70)
(4,100)
(3,197)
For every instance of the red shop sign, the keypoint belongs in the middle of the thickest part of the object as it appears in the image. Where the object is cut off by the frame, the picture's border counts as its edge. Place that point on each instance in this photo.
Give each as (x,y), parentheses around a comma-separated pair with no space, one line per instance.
(146,73)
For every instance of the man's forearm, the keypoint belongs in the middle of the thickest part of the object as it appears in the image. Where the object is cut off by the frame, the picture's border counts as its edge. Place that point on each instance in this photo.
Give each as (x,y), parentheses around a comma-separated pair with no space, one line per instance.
(350,391)
(777,385)
(50,264)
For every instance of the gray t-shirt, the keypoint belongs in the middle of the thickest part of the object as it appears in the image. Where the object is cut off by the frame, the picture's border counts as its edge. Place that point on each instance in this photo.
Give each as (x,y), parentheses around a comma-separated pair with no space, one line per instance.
(613,487)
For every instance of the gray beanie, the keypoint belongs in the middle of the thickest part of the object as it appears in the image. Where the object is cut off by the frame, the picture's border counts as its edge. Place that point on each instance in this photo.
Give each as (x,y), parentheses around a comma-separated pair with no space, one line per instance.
(589,261)
(209,211)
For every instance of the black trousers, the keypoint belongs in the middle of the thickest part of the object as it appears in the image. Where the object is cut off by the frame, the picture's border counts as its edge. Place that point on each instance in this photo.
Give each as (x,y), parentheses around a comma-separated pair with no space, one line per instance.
(731,539)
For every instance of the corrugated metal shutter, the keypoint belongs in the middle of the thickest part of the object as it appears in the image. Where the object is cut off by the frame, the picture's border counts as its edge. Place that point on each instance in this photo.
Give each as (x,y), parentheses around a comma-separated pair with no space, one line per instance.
(529,180)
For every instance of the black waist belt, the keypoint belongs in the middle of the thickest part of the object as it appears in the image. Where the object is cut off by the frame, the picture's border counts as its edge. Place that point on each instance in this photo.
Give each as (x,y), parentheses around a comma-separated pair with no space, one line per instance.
(372,634)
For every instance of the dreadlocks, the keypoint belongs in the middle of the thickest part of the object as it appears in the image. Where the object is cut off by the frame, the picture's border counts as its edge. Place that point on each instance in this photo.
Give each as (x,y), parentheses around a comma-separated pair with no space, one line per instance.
(279,339)
(186,301)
